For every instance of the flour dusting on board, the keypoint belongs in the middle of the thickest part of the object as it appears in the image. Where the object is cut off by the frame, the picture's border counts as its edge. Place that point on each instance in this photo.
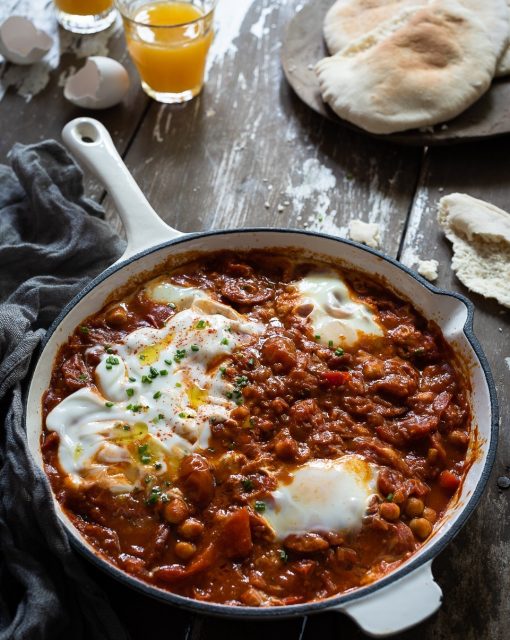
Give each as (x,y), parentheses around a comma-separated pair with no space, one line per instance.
(230,15)
(259,29)
(315,192)
(414,239)
(29,81)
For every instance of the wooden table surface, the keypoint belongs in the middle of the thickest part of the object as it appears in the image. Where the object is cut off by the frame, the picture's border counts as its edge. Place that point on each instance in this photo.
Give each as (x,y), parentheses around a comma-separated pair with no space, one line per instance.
(247,152)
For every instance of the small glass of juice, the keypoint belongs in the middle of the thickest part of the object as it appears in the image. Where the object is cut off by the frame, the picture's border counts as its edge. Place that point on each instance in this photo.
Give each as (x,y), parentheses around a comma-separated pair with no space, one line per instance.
(85,16)
(169,42)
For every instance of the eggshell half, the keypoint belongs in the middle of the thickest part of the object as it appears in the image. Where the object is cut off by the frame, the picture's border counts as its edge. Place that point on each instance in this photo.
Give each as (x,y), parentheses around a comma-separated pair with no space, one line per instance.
(100,84)
(21,42)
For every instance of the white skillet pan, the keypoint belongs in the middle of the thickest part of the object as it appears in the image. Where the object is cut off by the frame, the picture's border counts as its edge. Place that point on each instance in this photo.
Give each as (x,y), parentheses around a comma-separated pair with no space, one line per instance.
(406,596)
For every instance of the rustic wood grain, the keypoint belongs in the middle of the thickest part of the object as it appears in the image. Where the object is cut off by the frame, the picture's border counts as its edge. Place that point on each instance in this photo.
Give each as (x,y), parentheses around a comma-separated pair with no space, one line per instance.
(304,46)
(31,119)
(248,153)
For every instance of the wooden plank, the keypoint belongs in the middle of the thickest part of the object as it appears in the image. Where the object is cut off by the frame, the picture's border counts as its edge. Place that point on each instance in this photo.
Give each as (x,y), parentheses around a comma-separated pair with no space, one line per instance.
(474,570)
(248,153)
(33,106)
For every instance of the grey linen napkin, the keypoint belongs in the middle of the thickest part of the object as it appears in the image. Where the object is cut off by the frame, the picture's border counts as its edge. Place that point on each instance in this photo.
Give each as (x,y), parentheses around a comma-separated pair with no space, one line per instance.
(52,241)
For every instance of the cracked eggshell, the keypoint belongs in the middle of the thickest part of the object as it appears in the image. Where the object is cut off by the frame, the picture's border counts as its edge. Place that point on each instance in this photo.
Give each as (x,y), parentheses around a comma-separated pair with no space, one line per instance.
(100,84)
(21,42)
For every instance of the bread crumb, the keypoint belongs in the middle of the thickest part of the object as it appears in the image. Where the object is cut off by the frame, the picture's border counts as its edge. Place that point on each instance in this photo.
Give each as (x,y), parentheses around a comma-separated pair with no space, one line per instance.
(364,232)
(428,269)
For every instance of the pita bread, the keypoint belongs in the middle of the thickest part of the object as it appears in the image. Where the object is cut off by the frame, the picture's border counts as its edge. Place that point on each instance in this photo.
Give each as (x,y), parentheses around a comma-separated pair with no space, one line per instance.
(424,66)
(480,234)
(348,20)
(503,68)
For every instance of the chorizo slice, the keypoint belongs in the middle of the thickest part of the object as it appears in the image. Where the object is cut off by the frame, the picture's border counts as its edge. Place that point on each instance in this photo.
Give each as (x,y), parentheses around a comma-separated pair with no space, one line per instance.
(246,291)
(175,572)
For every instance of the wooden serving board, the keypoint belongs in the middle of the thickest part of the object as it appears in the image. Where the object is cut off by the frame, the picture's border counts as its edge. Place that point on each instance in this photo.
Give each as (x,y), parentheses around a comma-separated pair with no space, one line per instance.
(303,46)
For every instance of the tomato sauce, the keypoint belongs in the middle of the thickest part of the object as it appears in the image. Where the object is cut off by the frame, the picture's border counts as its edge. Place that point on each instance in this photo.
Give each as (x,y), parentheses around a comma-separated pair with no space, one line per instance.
(399,401)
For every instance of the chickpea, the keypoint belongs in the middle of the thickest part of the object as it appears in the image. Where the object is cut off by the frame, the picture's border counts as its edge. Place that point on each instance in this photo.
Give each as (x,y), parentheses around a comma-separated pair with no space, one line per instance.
(458,438)
(389,511)
(239,413)
(117,317)
(175,511)
(185,550)
(421,528)
(432,456)
(414,507)
(429,514)
(191,529)
(398,497)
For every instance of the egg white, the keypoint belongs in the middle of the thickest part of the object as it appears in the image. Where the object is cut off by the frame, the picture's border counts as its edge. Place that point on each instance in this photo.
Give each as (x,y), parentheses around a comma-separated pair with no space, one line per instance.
(160,386)
(323,496)
(336,317)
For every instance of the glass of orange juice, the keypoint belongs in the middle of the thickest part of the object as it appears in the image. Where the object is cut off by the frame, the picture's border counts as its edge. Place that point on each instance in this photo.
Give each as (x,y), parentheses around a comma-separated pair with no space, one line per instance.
(169,42)
(85,16)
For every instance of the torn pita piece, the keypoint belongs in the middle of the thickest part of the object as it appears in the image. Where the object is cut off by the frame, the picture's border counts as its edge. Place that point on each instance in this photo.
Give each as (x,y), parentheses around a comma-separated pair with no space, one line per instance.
(480,235)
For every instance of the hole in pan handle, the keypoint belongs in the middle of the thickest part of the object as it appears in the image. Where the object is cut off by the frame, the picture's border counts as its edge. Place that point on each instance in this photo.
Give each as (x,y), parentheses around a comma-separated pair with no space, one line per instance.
(397,607)
(89,141)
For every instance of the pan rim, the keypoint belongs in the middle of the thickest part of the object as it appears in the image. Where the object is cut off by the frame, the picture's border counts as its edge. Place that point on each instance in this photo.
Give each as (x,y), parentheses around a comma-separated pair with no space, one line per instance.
(337,601)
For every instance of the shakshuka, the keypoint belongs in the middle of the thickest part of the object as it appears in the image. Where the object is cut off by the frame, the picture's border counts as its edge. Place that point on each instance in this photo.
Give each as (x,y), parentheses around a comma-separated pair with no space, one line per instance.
(251,428)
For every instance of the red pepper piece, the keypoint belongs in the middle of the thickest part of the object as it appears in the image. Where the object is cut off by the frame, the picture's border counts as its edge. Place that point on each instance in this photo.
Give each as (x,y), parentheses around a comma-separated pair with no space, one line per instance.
(335,378)
(449,481)
(235,536)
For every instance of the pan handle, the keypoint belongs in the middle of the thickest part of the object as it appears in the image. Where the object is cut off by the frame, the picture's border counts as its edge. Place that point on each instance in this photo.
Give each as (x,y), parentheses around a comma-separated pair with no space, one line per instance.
(397,607)
(91,143)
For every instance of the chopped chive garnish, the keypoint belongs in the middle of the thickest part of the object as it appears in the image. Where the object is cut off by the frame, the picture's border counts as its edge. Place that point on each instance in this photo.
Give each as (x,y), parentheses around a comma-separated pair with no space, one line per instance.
(339,352)
(260,506)
(130,392)
(168,362)
(145,457)
(179,355)
(163,372)
(84,330)
(200,324)
(157,395)
(195,347)
(161,416)
(224,341)
(171,305)
(142,357)
(178,384)
(83,376)
(153,373)
(247,484)
(132,379)
(317,337)
(108,404)
(330,343)
(112,360)
(251,362)
(108,367)
(146,380)
(182,414)
(389,497)
(126,427)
